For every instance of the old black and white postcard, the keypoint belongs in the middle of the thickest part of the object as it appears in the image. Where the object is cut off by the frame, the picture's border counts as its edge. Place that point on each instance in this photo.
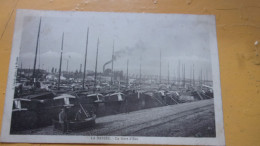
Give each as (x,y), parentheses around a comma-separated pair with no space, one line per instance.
(97,77)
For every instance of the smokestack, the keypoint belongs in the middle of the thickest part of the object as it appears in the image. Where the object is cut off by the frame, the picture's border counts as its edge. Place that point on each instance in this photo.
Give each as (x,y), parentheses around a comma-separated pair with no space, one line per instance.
(80,68)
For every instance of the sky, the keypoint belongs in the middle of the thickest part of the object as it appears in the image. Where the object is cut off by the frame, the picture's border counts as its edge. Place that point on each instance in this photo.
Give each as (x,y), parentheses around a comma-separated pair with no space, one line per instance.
(137,37)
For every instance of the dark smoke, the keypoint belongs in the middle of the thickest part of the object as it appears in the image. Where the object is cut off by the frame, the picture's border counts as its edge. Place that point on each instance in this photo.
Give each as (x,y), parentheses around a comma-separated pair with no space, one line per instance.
(138,48)
(128,51)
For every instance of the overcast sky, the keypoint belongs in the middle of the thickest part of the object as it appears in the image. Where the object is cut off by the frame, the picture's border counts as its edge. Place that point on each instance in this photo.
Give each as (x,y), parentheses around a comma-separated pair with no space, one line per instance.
(137,37)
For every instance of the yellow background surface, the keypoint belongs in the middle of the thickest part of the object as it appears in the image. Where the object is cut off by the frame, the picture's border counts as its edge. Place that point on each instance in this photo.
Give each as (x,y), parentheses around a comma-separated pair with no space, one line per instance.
(238,27)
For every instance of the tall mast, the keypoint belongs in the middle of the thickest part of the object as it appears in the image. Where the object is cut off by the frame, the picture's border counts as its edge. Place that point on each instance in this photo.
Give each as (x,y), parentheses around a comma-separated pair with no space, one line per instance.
(95,83)
(184,75)
(174,75)
(112,69)
(36,51)
(127,72)
(67,66)
(203,73)
(140,71)
(179,71)
(160,66)
(86,52)
(206,82)
(191,76)
(182,72)
(20,71)
(168,74)
(200,77)
(60,60)
(39,58)
(202,80)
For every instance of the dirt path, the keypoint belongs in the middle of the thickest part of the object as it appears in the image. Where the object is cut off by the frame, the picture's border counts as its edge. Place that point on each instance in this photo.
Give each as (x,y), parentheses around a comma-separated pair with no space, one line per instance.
(195,119)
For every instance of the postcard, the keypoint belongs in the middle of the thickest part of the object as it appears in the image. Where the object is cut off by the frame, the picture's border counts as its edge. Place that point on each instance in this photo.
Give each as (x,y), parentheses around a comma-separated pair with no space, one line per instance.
(113,78)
